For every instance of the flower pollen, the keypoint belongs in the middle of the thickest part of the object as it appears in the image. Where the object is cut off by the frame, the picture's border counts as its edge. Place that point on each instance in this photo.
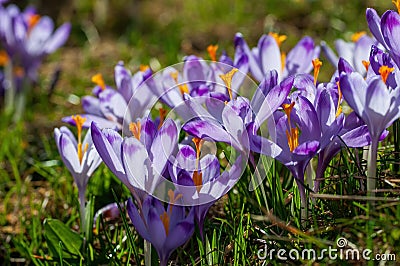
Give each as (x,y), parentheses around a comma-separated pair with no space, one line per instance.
(143,68)
(356,36)
(135,129)
(397,4)
(385,71)
(339,108)
(198,180)
(212,52)
(162,112)
(278,38)
(99,81)
(32,21)
(366,64)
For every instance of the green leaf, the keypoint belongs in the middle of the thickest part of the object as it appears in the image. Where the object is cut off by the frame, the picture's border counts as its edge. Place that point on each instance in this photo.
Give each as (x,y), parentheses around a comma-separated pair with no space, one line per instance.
(55,233)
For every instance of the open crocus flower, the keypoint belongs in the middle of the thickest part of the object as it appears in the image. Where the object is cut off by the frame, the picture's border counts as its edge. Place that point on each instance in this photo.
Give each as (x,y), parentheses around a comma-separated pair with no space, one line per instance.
(376,104)
(355,52)
(138,161)
(110,106)
(165,228)
(28,38)
(200,181)
(303,130)
(267,56)
(80,157)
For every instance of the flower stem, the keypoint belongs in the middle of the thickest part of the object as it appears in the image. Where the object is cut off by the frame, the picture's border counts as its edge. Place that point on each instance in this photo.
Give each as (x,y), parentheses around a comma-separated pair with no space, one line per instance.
(147,253)
(371,171)
(10,89)
(20,100)
(396,128)
(82,210)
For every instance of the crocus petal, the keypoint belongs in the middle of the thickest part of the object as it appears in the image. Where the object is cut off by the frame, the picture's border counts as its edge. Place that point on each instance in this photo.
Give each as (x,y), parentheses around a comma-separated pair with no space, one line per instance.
(156,231)
(91,105)
(354,89)
(108,145)
(163,145)
(269,54)
(203,129)
(242,47)
(136,164)
(58,39)
(299,59)
(69,154)
(390,26)
(374,24)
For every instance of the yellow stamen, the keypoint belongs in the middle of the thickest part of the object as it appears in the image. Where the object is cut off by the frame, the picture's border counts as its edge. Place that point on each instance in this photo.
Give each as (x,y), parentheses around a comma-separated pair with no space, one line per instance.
(339,108)
(293,138)
(356,36)
(278,38)
(183,88)
(385,71)
(79,121)
(198,180)
(4,59)
(397,4)
(293,135)
(32,21)
(227,78)
(366,64)
(283,61)
(162,113)
(198,143)
(165,220)
(317,65)
(135,129)
(143,68)
(212,52)
(99,81)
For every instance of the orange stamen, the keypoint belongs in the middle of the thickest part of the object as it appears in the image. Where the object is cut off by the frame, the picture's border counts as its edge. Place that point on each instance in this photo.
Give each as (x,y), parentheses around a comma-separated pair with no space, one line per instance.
(385,71)
(212,52)
(317,65)
(4,59)
(165,220)
(278,38)
(356,36)
(198,180)
(135,129)
(227,78)
(198,143)
(143,68)
(165,216)
(162,113)
(366,64)
(79,121)
(293,135)
(99,81)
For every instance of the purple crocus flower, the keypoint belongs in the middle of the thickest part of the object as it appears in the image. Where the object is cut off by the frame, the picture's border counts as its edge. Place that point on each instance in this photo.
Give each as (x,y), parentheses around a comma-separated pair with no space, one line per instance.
(110,107)
(386,30)
(376,104)
(138,161)
(355,52)
(267,56)
(166,228)
(28,38)
(80,157)
(200,181)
